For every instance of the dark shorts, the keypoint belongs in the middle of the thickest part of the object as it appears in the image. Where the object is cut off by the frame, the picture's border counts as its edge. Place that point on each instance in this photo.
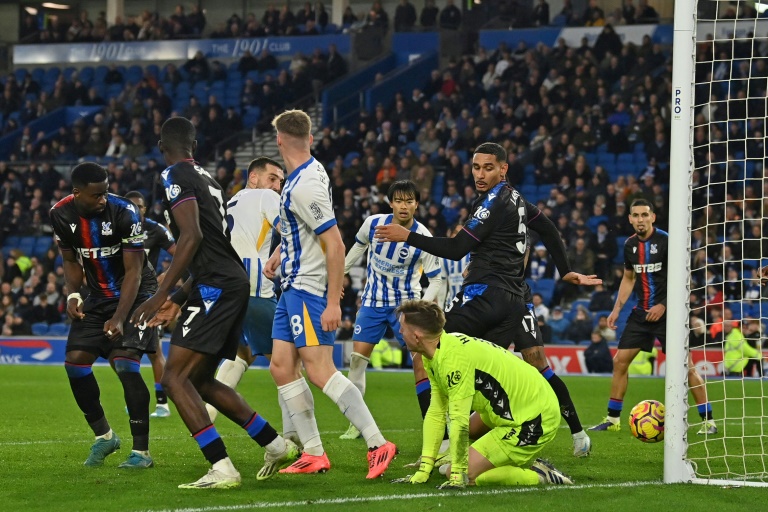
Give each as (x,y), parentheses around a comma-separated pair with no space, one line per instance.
(88,334)
(494,314)
(211,320)
(641,334)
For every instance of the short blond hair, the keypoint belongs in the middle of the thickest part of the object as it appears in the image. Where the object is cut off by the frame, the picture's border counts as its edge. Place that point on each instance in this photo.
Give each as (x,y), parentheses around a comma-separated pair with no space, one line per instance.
(425,315)
(295,123)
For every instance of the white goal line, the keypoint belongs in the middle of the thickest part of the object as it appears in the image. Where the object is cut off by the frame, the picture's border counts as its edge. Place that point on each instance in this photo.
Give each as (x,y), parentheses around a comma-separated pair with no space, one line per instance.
(405,497)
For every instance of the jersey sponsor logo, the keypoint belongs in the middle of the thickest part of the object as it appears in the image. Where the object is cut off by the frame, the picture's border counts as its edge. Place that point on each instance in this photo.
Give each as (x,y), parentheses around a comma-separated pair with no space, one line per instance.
(98,252)
(387,267)
(453,378)
(649,268)
(654,249)
(317,213)
(172,192)
(106,228)
(482,213)
(73,227)
(167,216)
(202,171)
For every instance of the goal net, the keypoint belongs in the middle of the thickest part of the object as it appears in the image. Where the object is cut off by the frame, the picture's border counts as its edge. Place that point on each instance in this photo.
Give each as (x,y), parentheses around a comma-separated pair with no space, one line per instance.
(718,161)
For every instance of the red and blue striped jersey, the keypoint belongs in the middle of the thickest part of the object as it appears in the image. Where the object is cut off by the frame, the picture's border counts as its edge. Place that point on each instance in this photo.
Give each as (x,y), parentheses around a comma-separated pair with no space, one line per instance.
(648,260)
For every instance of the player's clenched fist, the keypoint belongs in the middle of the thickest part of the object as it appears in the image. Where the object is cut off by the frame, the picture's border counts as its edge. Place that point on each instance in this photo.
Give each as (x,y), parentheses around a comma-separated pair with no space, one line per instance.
(420,477)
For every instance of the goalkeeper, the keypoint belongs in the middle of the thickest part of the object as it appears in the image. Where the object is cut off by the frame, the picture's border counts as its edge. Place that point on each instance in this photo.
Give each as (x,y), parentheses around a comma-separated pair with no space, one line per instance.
(517,413)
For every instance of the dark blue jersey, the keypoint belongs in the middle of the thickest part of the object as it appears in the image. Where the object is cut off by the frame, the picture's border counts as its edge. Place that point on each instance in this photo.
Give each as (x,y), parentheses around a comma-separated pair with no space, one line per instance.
(499,221)
(100,240)
(158,237)
(215,258)
(648,259)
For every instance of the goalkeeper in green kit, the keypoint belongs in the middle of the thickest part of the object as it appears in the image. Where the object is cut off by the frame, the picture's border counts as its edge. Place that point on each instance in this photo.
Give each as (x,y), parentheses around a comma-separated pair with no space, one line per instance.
(516,411)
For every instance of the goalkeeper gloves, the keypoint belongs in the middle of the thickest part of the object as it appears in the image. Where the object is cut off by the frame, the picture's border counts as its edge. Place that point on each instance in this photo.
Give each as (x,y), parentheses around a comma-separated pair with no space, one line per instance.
(421,476)
(455,481)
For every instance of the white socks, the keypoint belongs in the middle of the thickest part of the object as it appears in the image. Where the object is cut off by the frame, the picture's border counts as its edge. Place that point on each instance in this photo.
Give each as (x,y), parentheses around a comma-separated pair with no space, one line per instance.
(350,401)
(300,406)
(225,466)
(276,447)
(230,373)
(289,430)
(106,436)
(357,365)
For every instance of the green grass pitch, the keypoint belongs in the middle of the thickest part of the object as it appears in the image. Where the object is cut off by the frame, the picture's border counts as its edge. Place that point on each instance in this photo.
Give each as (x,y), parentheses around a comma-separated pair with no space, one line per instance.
(44,441)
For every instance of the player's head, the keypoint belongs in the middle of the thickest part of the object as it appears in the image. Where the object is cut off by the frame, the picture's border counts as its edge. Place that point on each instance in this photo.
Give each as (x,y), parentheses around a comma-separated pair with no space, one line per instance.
(265,172)
(404,199)
(294,130)
(137,198)
(489,165)
(642,216)
(420,322)
(89,187)
(177,140)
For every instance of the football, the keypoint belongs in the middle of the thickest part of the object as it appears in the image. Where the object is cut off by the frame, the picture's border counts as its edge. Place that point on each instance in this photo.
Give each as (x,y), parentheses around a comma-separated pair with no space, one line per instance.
(646,421)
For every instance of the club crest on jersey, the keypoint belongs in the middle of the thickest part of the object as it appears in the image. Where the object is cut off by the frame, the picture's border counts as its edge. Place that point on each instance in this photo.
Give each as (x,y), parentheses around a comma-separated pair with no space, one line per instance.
(209,295)
(654,249)
(403,252)
(317,213)
(106,228)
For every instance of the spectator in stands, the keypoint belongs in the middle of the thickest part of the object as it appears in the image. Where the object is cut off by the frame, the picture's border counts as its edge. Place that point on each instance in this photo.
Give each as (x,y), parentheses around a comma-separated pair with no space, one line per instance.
(646,13)
(568,13)
(597,355)
(602,327)
(321,16)
(378,17)
(581,327)
(628,12)
(348,18)
(196,20)
(593,15)
(198,67)
(44,310)
(450,16)
(15,325)
(541,309)
(96,144)
(405,16)
(558,324)
(113,76)
(305,14)
(541,14)
(428,17)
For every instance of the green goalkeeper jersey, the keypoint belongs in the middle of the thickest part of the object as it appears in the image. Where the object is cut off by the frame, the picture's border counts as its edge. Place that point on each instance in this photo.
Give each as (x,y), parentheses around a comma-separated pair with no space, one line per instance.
(469,374)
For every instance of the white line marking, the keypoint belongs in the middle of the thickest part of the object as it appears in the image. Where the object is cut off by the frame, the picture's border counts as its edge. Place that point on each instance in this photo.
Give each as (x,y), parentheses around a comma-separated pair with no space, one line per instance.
(402,497)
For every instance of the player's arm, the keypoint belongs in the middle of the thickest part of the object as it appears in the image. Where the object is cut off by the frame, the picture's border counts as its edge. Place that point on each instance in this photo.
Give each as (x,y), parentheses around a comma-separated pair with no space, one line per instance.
(552,240)
(625,290)
(459,410)
(186,215)
(334,259)
(359,247)
(434,274)
(133,262)
(73,277)
(442,294)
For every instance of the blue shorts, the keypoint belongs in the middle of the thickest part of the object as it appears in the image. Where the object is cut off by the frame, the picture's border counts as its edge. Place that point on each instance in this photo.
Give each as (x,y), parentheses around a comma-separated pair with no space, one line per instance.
(257,326)
(371,324)
(297,319)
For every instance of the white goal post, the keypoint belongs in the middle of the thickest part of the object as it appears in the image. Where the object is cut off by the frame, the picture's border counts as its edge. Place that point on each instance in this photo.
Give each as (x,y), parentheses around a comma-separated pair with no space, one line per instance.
(738,453)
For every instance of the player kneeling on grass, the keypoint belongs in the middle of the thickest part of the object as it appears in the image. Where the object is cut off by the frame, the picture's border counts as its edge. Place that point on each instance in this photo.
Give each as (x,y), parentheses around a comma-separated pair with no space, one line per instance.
(516,411)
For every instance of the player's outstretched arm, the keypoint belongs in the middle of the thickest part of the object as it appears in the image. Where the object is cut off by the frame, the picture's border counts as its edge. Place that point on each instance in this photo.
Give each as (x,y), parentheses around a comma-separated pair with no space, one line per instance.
(186,215)
(453,248)
(625,290)
(581,279)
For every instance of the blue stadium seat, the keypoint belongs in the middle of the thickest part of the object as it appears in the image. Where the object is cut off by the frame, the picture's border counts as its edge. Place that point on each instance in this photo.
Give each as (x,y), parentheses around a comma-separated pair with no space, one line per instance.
(39,329)
(58,329)
(12,241)
(619,258)
(134,74)
(545,288)
(591,159)
(154,70)
(20,74)
(42,245)
(606,159)
(438,187)
(100,73)
(626,158)
(414,146)
(331,28)
(530,192)
(251,117)
(349,157)
(463,156)
(38,75)
(559,21)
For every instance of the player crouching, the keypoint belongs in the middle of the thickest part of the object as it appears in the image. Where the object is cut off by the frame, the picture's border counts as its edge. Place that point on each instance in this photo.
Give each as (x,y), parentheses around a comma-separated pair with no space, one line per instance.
(472,374)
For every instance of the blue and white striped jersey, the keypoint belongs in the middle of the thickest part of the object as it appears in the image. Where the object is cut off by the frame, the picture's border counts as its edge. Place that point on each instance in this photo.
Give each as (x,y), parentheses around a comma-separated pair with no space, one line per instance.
(394,269)
(251,216)
(453,277)
(306,211)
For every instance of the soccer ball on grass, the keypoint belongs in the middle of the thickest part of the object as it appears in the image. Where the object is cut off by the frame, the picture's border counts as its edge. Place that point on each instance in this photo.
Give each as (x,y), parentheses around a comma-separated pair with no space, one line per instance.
(646,421)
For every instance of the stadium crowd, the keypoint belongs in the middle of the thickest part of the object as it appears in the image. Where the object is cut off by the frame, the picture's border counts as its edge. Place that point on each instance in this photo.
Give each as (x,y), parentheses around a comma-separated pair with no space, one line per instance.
(566,116)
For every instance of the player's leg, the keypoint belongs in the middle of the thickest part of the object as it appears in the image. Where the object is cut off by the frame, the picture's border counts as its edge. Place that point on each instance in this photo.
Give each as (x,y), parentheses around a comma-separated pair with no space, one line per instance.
(158,364)
(370,326)
(127,366)
(637,336)
(231,372)
(298,404)
(699,392)
(315,348)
